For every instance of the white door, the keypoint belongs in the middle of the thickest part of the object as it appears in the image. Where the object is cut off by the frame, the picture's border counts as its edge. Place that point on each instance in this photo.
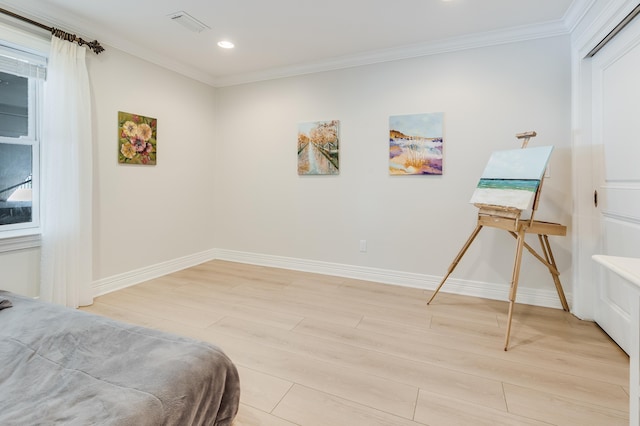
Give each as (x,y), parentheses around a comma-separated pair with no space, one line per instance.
(616,127)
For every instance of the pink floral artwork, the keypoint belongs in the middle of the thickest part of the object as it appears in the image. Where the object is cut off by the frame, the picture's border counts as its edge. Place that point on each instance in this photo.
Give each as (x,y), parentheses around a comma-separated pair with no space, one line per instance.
(136,139)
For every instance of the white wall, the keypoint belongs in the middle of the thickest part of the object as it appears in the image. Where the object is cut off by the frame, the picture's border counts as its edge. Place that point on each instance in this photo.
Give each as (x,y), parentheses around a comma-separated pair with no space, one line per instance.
(150,215)
(148,220)
(412,224)
(21,271)
(226,183)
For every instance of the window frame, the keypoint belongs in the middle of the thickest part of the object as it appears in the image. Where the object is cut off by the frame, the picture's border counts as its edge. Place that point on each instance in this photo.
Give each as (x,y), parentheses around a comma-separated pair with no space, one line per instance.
(32,48)
(33,140)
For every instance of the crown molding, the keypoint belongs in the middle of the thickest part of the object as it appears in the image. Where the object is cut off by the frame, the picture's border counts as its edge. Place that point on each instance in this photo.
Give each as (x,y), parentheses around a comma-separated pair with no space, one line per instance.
(163,61)
(576,13)
(109,39)
(471,41)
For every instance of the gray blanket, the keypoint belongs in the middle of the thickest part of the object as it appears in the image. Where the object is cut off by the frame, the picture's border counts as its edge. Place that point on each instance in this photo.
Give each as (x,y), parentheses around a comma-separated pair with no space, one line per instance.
(64,366)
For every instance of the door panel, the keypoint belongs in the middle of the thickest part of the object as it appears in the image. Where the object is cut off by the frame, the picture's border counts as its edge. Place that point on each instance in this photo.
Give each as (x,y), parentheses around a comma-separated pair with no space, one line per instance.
(621,106)
(622,201)
(616,114)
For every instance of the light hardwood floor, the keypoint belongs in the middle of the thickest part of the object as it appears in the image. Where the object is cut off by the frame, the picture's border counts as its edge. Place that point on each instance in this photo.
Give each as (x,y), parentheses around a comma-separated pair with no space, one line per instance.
(323,350)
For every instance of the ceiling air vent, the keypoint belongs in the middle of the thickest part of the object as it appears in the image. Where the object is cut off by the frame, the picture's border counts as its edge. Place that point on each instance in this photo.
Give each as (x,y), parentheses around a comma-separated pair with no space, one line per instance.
(188,21)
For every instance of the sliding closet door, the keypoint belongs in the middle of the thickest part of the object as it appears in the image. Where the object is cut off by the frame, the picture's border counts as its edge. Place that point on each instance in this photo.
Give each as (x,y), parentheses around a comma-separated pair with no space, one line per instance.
(616,119)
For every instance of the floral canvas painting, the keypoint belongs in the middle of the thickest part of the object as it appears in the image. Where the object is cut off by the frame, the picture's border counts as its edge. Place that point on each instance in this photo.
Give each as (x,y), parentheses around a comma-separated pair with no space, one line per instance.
(512,177)
(136,139)
(415,144)
(318,148)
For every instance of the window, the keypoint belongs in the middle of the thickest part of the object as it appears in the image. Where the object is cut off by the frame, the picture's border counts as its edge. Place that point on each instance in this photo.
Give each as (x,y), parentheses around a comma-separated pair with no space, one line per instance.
(21,79)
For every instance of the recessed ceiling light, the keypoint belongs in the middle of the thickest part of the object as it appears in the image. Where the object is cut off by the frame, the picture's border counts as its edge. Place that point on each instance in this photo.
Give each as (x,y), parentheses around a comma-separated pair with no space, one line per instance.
(226,44)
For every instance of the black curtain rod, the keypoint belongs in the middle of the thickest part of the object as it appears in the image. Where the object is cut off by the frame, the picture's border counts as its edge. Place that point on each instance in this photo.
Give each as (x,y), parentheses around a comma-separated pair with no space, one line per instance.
(93,45)
(635,12)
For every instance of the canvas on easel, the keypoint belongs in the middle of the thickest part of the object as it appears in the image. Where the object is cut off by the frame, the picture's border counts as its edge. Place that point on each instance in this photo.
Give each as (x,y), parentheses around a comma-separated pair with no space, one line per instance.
(512,177)
(511,184)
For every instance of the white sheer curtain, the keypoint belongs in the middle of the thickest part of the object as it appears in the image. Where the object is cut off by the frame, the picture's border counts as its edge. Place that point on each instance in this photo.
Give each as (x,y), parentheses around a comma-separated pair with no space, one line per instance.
(66,157)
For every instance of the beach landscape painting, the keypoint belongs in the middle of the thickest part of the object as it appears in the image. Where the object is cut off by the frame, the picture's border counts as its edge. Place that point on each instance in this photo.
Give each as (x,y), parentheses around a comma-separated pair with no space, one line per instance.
(415,144)
(511,178)
(319,148)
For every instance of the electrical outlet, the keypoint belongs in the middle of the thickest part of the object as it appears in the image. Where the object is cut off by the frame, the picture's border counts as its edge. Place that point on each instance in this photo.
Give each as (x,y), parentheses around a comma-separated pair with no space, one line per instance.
(363,246)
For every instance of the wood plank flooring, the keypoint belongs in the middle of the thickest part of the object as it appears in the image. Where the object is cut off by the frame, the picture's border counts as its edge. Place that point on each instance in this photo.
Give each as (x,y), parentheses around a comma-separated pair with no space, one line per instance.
(323,350)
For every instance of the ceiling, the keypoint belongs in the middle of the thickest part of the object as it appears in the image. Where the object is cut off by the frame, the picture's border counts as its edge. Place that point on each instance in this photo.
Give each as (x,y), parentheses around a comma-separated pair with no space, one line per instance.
(276,38)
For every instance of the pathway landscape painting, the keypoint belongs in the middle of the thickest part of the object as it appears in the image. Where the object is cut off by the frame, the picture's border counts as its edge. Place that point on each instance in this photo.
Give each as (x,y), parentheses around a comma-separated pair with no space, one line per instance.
(511,178)
(415,144)
(318,148)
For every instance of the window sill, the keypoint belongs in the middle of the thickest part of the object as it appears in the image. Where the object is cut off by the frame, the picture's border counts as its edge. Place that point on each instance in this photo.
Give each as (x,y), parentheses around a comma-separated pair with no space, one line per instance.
(19,242)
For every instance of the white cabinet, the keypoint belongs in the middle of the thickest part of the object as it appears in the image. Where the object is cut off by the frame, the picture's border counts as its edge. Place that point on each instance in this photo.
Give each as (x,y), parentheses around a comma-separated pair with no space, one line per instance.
(629,269)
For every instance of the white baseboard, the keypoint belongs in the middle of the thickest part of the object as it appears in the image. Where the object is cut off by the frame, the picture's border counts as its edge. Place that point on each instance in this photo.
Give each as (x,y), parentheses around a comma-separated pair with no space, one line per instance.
(538,297)
(127,279)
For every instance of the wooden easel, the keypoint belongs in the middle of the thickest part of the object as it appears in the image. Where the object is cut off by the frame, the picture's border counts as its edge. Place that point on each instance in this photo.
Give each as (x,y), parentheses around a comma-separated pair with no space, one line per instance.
(510,220)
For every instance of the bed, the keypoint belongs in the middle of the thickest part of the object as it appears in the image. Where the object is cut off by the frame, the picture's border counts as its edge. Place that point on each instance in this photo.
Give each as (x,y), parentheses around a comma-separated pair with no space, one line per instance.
(64,366)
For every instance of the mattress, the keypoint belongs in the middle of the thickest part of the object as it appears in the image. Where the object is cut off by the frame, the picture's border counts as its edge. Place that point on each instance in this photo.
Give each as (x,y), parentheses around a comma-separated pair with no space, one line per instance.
(64,366)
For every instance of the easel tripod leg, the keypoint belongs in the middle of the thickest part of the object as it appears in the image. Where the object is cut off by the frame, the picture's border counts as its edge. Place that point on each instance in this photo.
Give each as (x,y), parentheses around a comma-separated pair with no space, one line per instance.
(514,285)
(549,262)
(457,260)
(548,254)
(543,260)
